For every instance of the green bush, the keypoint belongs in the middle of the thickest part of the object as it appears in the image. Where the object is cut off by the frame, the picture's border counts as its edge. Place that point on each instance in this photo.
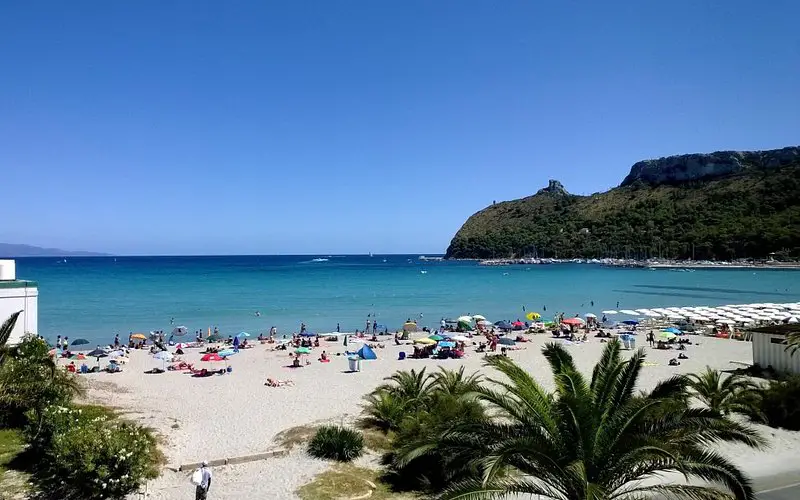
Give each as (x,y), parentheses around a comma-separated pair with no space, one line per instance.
(88,455)
(30,381)
(430,471)
(336,443)
(780,403)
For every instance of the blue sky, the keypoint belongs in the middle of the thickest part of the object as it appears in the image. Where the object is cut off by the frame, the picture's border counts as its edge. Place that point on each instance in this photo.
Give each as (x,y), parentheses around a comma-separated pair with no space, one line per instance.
(349,126)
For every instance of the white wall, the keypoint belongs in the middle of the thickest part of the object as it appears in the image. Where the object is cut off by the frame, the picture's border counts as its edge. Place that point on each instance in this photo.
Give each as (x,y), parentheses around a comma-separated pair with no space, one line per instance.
(25,299)
(767,352)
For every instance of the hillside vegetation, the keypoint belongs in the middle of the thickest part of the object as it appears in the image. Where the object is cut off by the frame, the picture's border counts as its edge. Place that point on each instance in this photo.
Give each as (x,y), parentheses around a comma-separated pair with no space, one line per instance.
(749,213)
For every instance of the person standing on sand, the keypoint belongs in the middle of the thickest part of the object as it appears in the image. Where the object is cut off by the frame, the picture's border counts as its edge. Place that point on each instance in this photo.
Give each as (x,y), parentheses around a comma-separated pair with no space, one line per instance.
(201,492)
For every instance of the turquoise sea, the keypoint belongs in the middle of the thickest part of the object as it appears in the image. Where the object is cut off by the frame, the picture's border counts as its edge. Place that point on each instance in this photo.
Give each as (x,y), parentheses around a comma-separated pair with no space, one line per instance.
(96,297)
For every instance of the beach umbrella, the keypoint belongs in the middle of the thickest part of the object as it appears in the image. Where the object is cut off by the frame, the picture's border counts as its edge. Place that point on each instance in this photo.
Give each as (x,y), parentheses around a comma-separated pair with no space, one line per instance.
(437,338)
(97,353)
(573,321)
(478,317)
(409,326)
(139,336)
(78,357)
(425,341)
(163,356)
(79,342)
(590,315)
(231,352)
(504,325)
(180,330)
(793,320)
(211,357)
(308,334)
(518,325)
(464,319)
(242,334)
(630,322)
(464,325)
(667,335)
(507,341)
(629,312)
(533,316)
(610,311)
(460,338)
(302,350)
(727,321)
(483,322)
(672,330)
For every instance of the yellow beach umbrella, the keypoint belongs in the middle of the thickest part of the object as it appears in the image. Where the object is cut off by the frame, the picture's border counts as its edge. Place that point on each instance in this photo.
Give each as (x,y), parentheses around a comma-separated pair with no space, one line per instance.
(139,336)
(533,316)
(425,341)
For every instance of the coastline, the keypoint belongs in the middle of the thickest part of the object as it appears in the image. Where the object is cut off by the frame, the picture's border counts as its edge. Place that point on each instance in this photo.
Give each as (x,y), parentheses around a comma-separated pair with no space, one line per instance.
(645,264)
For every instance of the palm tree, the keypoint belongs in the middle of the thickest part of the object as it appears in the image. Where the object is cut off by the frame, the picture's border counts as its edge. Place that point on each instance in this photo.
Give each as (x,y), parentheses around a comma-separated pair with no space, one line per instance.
(589,440)
(724,395)
(455,383)
(793,341)
(383,410)
(410,386)
(5,333)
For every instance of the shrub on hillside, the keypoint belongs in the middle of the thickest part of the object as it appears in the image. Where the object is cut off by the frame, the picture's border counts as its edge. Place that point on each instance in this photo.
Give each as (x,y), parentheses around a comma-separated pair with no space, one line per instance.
(87,455)
(336,443)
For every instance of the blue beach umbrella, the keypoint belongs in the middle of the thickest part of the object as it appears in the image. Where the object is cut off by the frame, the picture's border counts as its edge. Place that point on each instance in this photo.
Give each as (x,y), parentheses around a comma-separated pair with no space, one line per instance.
(504,325)
(672,330)
(630,322)
(242,334)
(447,344)
(308,334)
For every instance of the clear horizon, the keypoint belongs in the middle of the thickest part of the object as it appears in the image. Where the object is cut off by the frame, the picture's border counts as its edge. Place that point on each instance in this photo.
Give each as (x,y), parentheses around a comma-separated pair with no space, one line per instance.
(342,128)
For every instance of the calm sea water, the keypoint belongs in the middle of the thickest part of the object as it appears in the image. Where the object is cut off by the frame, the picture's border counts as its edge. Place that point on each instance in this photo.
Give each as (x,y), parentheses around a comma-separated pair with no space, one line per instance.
(98,297)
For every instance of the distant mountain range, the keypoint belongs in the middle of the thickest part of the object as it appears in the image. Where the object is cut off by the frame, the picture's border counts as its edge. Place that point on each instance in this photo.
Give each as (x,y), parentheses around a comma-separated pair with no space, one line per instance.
(15,250)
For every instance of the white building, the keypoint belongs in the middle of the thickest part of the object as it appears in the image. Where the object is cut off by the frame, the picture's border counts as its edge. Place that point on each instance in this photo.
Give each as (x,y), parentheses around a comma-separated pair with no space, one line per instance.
(18,295)
(769,349)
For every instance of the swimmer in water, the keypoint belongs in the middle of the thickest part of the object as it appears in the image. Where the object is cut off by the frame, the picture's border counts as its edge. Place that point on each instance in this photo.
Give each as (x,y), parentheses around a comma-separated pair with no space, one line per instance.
(258,314)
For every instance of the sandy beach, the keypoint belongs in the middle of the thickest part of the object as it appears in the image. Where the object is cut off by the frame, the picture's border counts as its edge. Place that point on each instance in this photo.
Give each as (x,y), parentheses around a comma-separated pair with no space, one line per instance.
(236,414)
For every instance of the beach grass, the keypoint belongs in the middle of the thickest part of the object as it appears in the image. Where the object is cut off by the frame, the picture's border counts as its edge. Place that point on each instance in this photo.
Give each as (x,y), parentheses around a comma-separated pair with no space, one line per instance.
(295,436)
(348,482)
(12,482)
(376,440)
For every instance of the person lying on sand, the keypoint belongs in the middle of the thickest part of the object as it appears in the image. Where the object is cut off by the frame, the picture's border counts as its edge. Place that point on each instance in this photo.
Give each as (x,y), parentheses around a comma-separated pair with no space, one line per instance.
(271,382)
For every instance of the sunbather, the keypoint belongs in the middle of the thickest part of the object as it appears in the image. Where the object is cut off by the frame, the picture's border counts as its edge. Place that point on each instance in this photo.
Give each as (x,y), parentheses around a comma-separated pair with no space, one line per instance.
(278,383)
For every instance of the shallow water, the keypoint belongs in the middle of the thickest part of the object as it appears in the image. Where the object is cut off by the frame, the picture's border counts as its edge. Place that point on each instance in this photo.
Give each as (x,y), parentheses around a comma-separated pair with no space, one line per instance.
(96,297)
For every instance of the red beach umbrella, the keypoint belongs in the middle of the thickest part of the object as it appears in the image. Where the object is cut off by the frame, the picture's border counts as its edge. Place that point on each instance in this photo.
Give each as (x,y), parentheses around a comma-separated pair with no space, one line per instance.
(573,321)
(211,357)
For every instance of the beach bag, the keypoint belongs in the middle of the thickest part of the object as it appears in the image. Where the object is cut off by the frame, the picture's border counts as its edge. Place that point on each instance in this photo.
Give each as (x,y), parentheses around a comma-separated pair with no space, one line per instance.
(197,477)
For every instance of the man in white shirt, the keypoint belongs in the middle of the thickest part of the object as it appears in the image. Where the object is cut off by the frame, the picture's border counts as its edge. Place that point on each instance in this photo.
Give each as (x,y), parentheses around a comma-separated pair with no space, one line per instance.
(205,483)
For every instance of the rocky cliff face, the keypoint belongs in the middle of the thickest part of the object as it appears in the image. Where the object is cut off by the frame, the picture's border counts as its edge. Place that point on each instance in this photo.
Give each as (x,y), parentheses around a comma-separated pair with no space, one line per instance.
(681,168)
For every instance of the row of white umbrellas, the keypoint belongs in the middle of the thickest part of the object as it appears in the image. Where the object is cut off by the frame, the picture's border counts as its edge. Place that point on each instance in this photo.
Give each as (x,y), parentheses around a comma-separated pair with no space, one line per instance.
(730,314)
